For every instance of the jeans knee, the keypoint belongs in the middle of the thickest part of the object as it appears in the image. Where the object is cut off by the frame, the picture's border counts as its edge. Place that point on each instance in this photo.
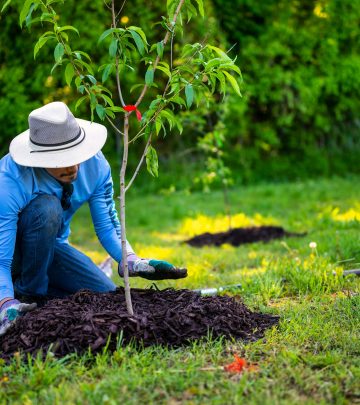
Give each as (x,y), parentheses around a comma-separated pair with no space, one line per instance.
(44,211)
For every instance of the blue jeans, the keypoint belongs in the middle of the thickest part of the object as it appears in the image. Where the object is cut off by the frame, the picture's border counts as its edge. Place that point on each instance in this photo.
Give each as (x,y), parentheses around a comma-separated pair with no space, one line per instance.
(43,266)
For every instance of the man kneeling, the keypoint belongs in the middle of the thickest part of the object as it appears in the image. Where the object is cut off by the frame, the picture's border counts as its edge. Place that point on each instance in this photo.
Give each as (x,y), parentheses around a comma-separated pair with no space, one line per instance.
(52,169)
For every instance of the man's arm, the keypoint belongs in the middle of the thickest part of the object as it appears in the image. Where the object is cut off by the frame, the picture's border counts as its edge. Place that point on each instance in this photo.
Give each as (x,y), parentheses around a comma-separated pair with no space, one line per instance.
(11,201)
(108,230)
(104,214)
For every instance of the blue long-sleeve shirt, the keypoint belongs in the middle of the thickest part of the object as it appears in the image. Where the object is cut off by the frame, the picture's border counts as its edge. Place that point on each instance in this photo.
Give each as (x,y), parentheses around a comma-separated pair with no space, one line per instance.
(19,185)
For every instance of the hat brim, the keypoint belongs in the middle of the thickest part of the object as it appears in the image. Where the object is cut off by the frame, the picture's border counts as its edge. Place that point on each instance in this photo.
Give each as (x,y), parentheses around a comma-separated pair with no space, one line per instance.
(95,138)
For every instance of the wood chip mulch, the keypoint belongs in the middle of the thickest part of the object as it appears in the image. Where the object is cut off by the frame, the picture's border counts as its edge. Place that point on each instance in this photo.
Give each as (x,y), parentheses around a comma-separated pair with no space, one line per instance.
(241,236)
(169,317)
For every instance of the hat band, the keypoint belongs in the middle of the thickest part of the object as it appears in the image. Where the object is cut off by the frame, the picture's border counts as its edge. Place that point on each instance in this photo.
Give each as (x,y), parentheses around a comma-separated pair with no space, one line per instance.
(44,148)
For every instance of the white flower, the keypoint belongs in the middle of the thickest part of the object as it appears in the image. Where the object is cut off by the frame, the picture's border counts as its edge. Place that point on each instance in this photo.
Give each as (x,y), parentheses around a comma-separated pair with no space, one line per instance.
(312,245)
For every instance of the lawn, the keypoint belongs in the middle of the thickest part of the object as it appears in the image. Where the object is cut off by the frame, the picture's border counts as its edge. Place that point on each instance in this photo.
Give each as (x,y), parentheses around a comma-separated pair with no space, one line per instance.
(313,356)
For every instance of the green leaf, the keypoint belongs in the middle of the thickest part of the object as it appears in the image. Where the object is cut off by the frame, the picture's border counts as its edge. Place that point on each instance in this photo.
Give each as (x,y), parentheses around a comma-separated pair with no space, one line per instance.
(178,100)
(185,68)
(24,11)
(68,28)
(179,126)
(40,43)
(233,82)
(93,100)
(64,36)
(91,78)
(189,93)
(105,34)
(54,67)
(28,19)
(78,81)
(81,89)
(200,7)
(113,47)
(84,65)
(107,71)
(78,55)
(158,125)
(68,49)
(101,112)
(219,51)
(190,10)
(69,73)
(212,63)
(160,49)
(138,41)
(49,17)
(5,5)
(109,113)
(140,32)
(220,76)
(149,76)
(135,86)
(169,116)
(80,101)
(164,69)
(59,52)
(152,162)
(107,100)
(116,109)
(233,67)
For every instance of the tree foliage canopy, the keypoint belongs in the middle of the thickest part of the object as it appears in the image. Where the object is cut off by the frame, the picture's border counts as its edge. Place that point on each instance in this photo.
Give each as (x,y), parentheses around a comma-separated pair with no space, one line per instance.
(300,63)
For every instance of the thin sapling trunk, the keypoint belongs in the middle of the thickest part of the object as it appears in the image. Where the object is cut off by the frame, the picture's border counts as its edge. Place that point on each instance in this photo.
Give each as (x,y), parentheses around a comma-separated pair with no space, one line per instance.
(123,216)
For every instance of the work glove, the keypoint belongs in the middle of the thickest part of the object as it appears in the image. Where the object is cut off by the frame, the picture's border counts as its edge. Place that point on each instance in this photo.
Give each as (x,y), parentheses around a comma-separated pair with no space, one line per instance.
(153,270)
(10,311)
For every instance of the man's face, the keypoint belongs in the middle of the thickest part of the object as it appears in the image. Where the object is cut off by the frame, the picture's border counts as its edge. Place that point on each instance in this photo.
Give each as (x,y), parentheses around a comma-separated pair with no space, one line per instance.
(65,174)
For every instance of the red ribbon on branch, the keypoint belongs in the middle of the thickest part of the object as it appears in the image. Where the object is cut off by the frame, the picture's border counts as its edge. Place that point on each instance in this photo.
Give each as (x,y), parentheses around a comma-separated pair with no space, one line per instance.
(129,108)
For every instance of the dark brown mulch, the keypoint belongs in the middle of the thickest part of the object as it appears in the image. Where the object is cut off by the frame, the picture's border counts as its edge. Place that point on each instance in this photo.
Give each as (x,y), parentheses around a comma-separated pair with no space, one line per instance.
(240,236)
(169,317)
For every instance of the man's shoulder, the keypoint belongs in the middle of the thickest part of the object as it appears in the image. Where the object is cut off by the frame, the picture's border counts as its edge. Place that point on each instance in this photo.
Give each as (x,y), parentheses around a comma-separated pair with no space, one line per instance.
(10,169)
(97,162)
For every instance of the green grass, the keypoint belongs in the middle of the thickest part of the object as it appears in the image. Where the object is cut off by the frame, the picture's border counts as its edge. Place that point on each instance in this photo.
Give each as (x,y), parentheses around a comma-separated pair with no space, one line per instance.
(312,357)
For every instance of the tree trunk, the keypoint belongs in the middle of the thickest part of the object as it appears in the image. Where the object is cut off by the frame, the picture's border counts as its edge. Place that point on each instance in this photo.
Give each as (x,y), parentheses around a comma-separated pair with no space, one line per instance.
(122,216)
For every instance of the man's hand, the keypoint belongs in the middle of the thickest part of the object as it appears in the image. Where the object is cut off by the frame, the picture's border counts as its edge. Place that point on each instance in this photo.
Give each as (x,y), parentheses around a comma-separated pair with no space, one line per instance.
(9,311)
(153,270)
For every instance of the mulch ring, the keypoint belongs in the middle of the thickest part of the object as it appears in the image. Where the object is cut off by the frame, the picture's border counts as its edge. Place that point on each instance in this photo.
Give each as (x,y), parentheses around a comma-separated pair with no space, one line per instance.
(169,317)
(240,236)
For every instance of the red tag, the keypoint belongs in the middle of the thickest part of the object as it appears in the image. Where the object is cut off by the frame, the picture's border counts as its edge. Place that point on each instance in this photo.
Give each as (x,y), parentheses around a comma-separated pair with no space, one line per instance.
(138,114)
(130,108)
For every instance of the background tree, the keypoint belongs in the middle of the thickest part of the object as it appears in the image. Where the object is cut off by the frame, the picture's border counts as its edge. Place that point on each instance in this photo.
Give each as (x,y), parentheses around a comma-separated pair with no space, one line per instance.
(300,62)
(301,67)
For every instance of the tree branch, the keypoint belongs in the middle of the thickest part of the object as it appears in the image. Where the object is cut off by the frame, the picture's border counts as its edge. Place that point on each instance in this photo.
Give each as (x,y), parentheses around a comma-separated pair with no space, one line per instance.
(166,38)
(114,126)
(139,165)
(113,14)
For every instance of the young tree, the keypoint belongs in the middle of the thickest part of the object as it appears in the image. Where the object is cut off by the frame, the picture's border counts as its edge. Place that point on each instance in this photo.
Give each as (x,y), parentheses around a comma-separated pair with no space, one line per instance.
(203,70)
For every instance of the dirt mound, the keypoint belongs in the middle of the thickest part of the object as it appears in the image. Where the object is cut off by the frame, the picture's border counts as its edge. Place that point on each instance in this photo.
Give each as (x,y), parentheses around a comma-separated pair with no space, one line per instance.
(240,236)
(168,317)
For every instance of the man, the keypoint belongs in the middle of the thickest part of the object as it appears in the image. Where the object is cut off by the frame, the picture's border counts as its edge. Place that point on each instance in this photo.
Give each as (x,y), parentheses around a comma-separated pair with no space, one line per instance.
(52,169)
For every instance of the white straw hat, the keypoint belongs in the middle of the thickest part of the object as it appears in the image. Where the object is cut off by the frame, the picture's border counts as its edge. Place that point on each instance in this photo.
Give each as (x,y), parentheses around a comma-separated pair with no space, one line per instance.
(56,138)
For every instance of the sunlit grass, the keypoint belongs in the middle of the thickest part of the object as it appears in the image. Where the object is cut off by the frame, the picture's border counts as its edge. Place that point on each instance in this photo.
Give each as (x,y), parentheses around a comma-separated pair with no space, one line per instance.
(353,214)
(220,223)
(311,357)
